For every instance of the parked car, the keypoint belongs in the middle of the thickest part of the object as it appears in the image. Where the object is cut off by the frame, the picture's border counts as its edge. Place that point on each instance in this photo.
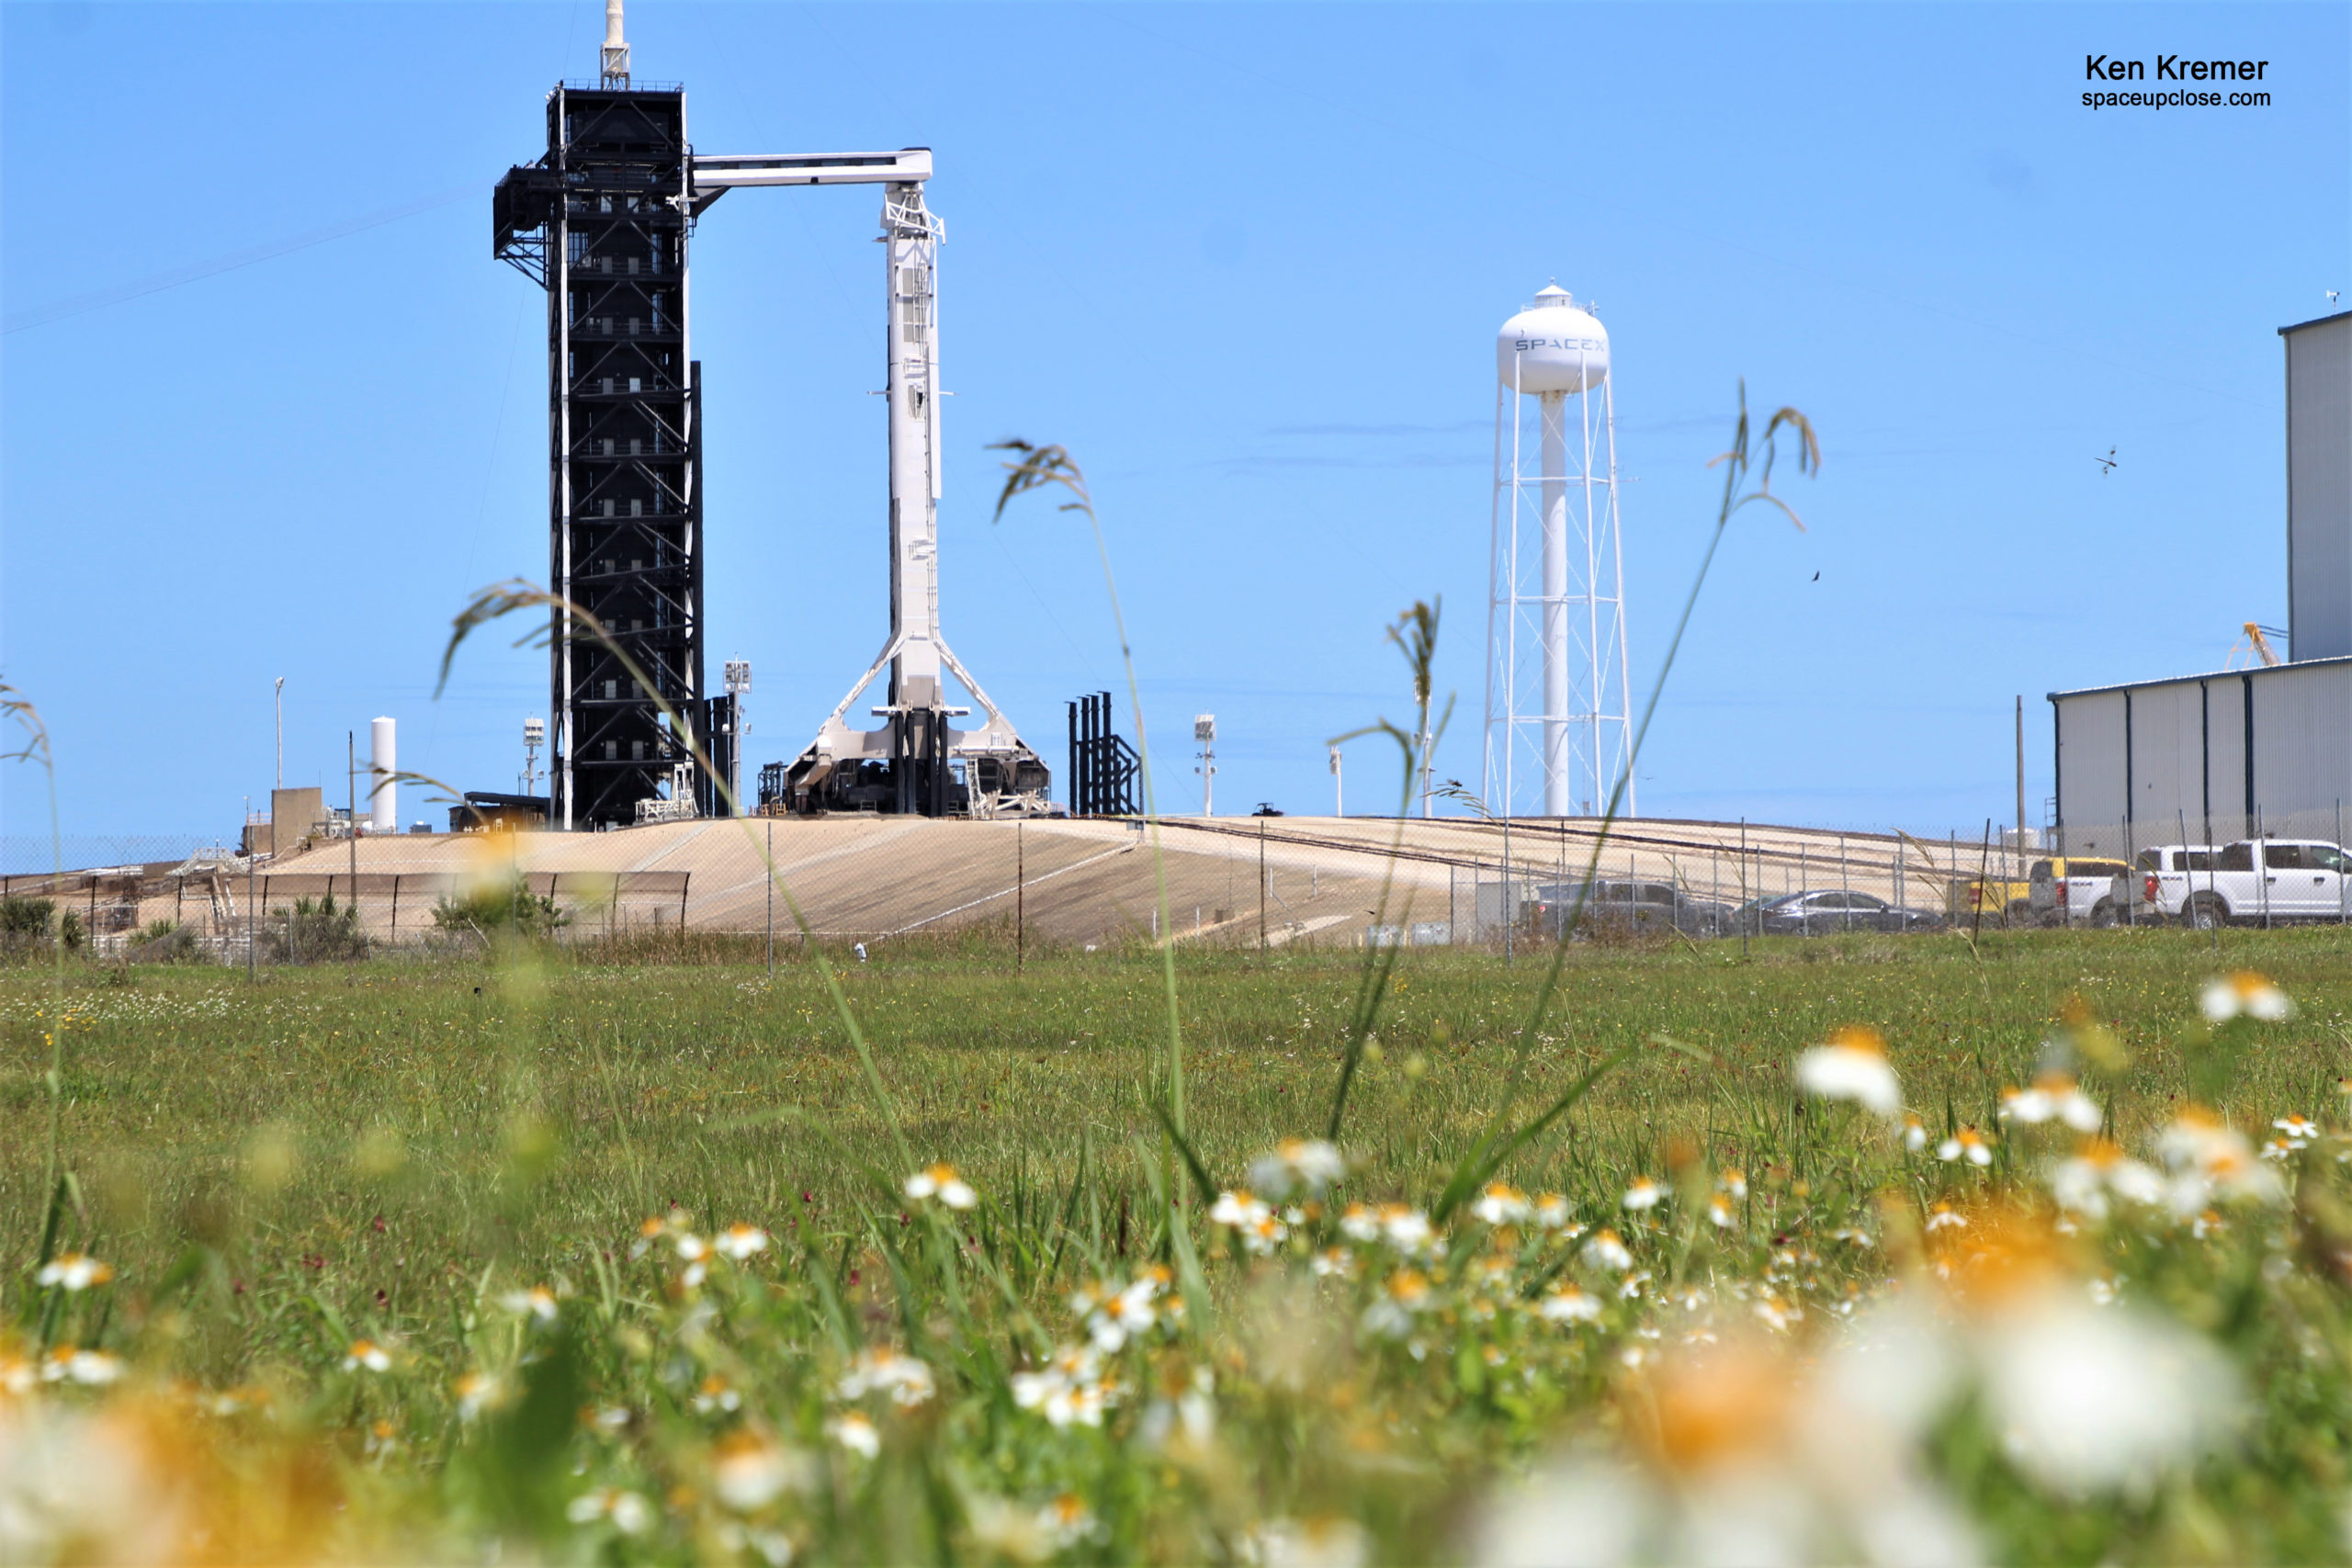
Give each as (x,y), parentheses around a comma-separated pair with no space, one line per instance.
(2253,880)
(1625,906)
(2075,890)
(1818,912)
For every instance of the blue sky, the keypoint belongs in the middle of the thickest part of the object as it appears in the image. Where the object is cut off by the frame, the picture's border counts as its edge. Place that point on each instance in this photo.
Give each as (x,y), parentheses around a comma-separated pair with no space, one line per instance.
(1246,264)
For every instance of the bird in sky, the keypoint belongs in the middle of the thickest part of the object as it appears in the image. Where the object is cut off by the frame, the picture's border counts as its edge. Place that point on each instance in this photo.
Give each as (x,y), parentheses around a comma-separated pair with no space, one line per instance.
(2107,464)
(1817,577)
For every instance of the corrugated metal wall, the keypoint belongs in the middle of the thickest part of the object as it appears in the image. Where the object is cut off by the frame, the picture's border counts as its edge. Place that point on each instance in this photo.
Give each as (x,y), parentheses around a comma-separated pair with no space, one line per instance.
(2167,753)
(2319,487)
(2303,732)
(2090,758)
(2137,764)
(2225,762)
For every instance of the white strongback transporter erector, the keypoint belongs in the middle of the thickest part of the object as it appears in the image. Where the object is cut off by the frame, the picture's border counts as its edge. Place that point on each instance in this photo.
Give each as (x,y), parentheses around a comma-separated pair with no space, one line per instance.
(909,764)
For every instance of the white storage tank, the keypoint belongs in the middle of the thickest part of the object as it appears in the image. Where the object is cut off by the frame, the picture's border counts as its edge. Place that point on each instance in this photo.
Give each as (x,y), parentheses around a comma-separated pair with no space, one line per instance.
(383,794)
(1552,346)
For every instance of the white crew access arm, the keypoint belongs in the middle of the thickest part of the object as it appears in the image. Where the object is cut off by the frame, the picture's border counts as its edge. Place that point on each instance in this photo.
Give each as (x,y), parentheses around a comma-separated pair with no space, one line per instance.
(724,171)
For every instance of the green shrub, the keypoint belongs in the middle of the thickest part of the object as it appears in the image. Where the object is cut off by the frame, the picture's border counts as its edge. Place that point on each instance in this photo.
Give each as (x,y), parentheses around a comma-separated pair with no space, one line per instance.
(507,909)
(315,933)
(169,942)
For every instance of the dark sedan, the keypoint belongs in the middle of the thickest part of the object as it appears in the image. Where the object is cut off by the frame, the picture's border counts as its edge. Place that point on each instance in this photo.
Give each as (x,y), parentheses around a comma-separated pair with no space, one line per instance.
(1821,912)
(1621,906)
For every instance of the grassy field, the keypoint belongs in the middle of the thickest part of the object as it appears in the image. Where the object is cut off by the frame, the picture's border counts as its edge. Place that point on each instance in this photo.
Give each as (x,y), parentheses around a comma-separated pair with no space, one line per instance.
(400,1091)
(378,1151)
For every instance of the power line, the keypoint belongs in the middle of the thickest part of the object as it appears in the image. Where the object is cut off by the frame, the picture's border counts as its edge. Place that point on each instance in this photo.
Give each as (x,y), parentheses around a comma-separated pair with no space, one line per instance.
(155,284)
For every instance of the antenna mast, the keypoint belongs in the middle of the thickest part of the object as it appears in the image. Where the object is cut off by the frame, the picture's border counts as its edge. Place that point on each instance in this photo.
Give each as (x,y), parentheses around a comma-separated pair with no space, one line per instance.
(615,48)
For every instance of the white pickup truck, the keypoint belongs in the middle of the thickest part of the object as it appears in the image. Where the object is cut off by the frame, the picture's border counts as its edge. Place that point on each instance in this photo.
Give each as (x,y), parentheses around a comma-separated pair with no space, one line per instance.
(2075,890)
(2254,880)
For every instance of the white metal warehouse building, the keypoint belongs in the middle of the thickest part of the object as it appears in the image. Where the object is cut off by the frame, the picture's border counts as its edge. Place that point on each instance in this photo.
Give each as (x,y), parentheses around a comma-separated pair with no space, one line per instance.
(2203,759)
(2206,758)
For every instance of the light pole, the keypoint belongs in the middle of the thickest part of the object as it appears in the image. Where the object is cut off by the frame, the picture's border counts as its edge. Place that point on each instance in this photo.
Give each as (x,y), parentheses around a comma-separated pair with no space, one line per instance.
(535,735)
(1339,797)
(278,698)
(1205,733)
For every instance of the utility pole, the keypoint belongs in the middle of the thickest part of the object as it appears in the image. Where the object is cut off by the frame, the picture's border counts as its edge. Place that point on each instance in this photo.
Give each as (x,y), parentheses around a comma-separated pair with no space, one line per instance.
(1338,795)
(2020,839)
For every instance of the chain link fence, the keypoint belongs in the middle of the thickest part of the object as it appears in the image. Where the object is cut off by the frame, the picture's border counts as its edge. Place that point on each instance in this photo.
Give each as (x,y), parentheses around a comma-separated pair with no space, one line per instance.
(1232,883)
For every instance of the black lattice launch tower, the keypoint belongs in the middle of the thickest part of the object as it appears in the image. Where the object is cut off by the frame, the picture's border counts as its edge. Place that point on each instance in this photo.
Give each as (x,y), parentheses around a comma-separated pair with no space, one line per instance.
(602,222)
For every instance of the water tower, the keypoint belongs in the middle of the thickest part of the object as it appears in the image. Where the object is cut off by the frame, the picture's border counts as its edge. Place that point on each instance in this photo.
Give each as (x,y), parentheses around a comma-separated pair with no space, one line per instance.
(1558,696)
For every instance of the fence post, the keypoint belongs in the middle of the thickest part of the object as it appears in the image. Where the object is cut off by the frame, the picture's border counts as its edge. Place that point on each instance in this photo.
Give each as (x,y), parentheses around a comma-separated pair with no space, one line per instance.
(1741,914)
(1021,897)
(1845,884)
(2262,852)
(1262,884)
(1503,890)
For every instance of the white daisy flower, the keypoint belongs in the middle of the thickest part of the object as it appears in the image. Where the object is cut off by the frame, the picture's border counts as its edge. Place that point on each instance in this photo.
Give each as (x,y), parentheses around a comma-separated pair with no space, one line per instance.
(73,1271)
(1969,1145)
(1297,1167)
(1603,1250)
(941,1181)
(855,1432)
(748,1471)
(1502,1205)
(2245,994)
(366,1355)
(538,1302)
(740,1242)
(1852,1065)
(881,1369)
(629,1512)
(1571,1304)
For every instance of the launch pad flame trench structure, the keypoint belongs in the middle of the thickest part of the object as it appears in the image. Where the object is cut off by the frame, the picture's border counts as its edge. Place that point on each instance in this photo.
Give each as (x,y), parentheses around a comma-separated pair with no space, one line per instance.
(602,222)
(1557,694)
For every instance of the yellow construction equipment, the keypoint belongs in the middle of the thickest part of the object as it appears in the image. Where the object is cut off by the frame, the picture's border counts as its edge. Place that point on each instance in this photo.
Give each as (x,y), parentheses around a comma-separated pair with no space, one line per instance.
(2254,643)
